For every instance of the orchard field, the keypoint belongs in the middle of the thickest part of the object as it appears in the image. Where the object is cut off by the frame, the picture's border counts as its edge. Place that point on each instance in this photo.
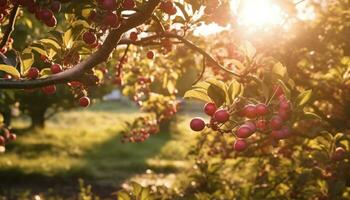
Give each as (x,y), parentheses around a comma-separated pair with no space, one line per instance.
(175,99)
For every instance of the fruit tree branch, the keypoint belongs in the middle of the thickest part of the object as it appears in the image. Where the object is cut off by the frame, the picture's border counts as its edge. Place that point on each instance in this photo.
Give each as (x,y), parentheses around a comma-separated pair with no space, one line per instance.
(76,72)
(11,26)
(188,43)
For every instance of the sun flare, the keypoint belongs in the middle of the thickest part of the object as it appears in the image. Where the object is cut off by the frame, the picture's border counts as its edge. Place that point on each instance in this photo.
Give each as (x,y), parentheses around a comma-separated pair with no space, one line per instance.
(259,13)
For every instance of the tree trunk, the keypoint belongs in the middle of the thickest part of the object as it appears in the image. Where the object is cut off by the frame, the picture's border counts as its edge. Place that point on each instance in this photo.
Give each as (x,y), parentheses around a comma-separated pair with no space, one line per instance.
(37,117)
(165,126)
(7,117)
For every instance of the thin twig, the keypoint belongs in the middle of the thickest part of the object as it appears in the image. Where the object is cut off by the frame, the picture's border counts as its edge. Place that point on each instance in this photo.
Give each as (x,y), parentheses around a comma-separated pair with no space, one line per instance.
(11,26)
(120,67)
(202,73)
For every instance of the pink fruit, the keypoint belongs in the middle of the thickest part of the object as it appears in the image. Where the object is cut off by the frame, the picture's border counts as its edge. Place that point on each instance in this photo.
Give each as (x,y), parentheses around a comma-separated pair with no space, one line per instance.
(276,123)
(197,124)
(210,108)
(249,111)
(84,101)
(244,131)
(261,109)
(221,115)
(240,145)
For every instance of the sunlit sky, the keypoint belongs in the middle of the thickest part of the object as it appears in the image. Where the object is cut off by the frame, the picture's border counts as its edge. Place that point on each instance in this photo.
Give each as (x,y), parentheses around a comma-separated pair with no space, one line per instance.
(258,14)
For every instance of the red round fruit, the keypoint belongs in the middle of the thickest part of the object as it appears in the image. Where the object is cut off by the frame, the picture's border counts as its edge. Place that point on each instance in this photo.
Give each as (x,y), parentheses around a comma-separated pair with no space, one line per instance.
(2,141)
(277,134)
(46,14)
(13,137)
(128,4)
(249,111)
(111,19)
(197,124)
(285,105)
(251,125)
(7,77)
(338,154)
(285,131)
(240,145)
(133,36)
(150,54)
(56,6)
(89,37)
(284,114)
(261,109)
(108,4)
(33,73)
(221,116)
(244,131)
(84,101)
(56,68)
(210,108)
(51,22)
(276,123)
(50,89)
(262,125)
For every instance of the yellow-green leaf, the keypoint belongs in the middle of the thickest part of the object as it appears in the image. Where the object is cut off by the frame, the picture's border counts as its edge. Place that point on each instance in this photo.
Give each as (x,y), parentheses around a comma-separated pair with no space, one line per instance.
(68,38)
(10,70)
(198,94)
(279,69)
(27,60)
(304,97)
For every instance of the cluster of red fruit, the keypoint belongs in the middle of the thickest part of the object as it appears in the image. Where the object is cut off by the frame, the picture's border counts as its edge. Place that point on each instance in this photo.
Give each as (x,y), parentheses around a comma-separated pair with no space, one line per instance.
(168,7)
(3,9)
(141,129)
(255,118)
(34,73)
(44,13)
(7,46)
(6,137)
(106,16)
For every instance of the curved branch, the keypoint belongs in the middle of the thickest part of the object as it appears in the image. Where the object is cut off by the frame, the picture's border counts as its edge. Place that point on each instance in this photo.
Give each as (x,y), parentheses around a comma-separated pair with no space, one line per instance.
(202,72)
(11,26)
(94,59)
(184,41)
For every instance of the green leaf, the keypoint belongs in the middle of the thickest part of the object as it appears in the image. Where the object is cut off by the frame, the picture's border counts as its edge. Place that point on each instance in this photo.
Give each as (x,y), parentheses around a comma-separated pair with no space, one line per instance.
(234,90)
(202,84)
(145,194)
(220,85)
(312,115)
(10,70)
(279,69)
(27,60)
(248,49)
(82,23)
(285,88)
(39,48)
(45,72)
(304,97)
(217,95)
(68,38)
(122,195)
(198,94)
(51,42)
(137,188)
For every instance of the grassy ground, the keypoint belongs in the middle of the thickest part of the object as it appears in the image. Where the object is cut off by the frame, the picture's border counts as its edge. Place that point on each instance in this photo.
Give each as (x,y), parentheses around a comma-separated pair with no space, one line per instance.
(86,144)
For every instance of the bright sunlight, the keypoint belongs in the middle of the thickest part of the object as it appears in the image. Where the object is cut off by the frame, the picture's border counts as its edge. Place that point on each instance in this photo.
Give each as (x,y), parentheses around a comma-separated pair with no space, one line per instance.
(258,13)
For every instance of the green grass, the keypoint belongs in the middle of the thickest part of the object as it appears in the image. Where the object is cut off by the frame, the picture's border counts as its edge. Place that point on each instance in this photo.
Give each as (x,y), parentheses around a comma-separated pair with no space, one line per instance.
(86,143)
